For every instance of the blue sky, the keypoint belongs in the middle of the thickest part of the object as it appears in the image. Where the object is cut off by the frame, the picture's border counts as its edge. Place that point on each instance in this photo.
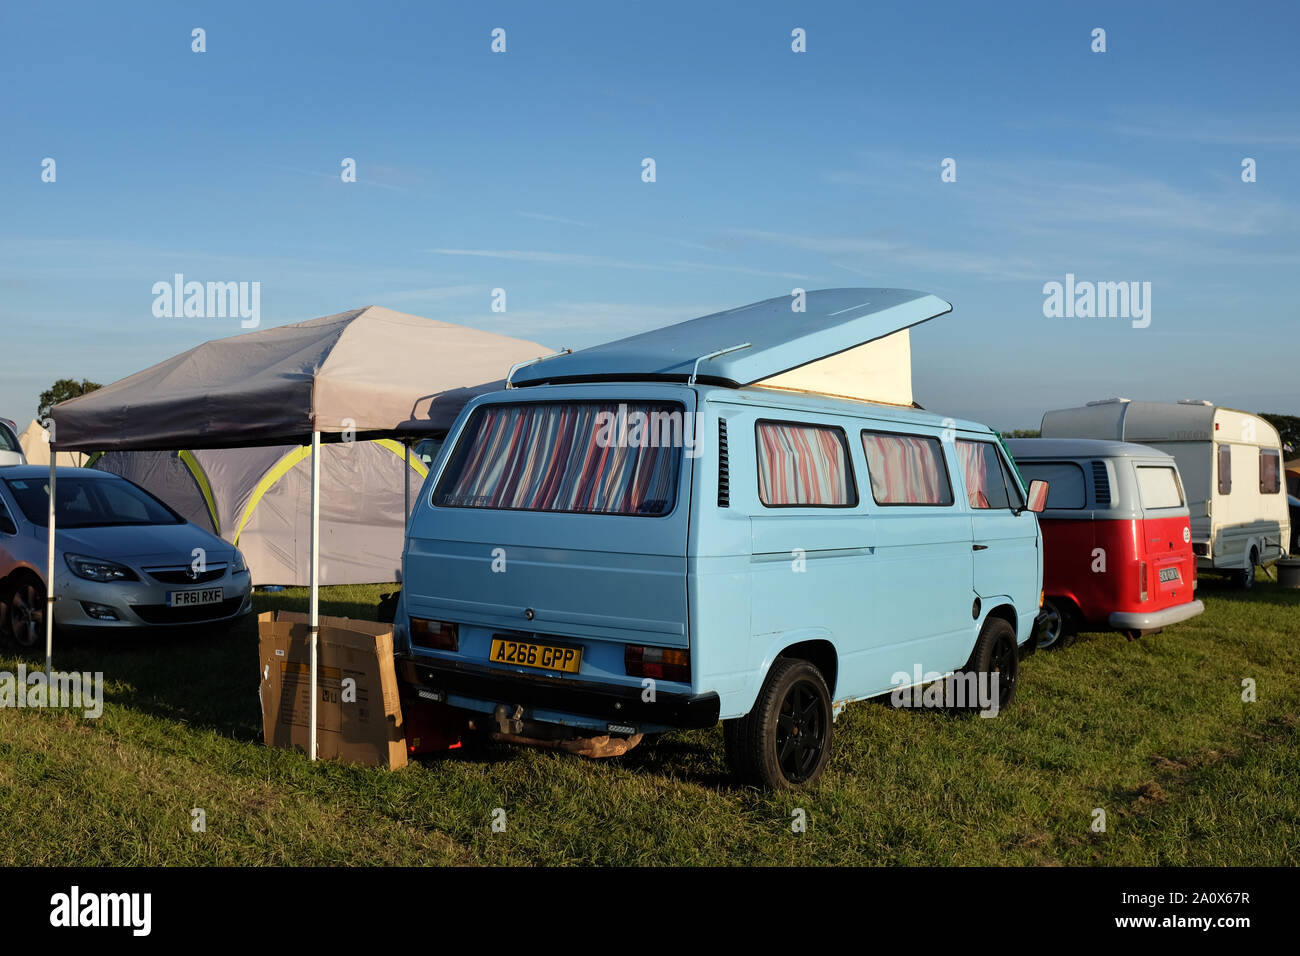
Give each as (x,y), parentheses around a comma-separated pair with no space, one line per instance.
(522,171)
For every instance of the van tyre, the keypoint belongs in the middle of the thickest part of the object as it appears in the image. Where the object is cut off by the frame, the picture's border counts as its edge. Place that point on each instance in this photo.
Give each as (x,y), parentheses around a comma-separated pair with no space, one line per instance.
(1246,576)
(996,653)
(785,741)
(1061,629)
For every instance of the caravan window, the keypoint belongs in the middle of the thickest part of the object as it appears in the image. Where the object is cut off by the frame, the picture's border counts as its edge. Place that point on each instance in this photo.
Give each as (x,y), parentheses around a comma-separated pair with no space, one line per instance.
(1225,469)
(804,465)
(906,469)
(583,457)
(1158,487)
(1270,471)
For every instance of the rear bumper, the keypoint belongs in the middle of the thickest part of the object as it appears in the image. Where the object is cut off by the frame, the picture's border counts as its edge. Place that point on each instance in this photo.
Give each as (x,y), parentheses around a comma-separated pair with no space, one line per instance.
(615,704)
(1154,620)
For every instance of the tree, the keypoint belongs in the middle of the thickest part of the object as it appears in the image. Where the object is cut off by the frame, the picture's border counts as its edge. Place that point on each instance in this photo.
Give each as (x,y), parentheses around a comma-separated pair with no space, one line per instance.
(1288,426)
(1023,433)
(61,391)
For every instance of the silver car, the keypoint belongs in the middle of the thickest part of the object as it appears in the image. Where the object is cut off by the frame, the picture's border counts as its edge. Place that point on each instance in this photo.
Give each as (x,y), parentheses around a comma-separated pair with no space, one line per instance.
(11,452)
(123,559)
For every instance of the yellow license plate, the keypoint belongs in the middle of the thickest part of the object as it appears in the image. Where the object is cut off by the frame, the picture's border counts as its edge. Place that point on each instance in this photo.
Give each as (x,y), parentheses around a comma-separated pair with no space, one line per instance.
(547,657)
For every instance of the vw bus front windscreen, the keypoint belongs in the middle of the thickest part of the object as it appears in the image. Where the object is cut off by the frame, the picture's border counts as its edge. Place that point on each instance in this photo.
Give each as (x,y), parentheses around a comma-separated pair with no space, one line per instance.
(618,458)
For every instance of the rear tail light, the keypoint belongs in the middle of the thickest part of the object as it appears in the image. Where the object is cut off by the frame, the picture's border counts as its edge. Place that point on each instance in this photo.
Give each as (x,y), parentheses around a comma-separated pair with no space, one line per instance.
(657,662)
(435,635)
(1142,580)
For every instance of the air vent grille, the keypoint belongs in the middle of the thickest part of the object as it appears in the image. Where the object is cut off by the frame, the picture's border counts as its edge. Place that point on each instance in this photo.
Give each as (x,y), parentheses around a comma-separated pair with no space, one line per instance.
(724,468)
(1101,482)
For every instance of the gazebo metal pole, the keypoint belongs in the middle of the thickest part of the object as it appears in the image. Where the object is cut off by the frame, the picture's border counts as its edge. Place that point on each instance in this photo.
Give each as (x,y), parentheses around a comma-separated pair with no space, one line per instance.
(49,575)
(315,577)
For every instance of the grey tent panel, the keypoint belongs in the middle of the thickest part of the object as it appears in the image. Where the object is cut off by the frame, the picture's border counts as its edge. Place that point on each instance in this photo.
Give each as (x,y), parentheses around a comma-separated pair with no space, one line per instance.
(164,475)
(362,493)
(366,371)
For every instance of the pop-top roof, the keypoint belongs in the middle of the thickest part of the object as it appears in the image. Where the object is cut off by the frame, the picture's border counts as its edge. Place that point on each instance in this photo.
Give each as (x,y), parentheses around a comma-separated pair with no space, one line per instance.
(778,339)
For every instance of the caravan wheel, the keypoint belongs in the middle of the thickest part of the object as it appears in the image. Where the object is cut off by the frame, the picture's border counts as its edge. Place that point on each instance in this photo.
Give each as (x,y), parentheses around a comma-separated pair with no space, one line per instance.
(1246,577)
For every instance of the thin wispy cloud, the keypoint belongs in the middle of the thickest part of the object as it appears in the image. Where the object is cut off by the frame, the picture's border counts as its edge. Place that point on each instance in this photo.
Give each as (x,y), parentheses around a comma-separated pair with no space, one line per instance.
(879,256)
(606,262)
(369,179)
(435,294)
(562,220)
(579,323)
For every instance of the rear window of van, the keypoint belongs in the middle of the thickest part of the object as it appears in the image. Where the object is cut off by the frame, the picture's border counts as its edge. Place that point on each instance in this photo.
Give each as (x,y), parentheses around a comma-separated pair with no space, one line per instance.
(1159,487)
(803,465)
(1065,482)
(619,458)
(906,469)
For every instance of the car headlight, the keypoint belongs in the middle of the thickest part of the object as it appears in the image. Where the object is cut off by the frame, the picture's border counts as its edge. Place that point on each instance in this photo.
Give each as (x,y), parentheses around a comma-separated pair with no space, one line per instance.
(97,569)
(237,565)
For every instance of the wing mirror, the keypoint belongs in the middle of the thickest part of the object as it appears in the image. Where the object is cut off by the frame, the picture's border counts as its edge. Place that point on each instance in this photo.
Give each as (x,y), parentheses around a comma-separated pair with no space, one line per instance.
(1037,496)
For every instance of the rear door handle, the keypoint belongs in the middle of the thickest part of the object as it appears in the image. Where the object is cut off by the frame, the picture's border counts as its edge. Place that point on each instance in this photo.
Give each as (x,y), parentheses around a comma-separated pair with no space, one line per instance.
(979,547)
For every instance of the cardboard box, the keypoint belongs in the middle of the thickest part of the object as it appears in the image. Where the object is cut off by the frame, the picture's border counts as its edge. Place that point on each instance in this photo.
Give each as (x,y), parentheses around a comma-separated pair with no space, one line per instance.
(358,713)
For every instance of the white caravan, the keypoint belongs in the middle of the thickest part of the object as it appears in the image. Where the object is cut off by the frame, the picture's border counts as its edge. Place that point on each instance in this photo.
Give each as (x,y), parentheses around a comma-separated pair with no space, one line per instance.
(1231,466)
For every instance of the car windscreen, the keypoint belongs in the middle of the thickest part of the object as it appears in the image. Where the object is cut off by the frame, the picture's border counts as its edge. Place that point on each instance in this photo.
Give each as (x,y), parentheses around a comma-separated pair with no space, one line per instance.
(8,442)
(89,503)
(617,458)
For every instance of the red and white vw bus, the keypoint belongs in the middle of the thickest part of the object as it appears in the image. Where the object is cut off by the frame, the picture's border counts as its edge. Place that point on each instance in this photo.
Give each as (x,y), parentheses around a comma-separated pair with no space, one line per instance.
(1117,540)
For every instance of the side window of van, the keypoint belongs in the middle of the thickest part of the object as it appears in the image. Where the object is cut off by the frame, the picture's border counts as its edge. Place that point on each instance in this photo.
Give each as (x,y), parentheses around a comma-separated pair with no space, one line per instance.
(1225,469)
(1065,483)
(987,483)
(1270,471)
(803,466)
(906,469)
(1158,487)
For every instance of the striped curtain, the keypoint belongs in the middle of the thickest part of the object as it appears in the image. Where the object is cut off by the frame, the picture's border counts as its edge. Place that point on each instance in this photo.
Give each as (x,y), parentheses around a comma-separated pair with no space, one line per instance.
(802,465)
(906,470)
(558,457)
(973,466)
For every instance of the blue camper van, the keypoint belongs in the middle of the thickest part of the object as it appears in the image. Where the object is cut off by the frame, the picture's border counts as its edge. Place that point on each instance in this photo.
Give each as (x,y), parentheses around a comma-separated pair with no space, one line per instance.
(641,537)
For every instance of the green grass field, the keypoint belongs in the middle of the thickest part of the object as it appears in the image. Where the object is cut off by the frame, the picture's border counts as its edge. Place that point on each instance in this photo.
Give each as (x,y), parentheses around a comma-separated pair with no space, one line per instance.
(1154,732)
